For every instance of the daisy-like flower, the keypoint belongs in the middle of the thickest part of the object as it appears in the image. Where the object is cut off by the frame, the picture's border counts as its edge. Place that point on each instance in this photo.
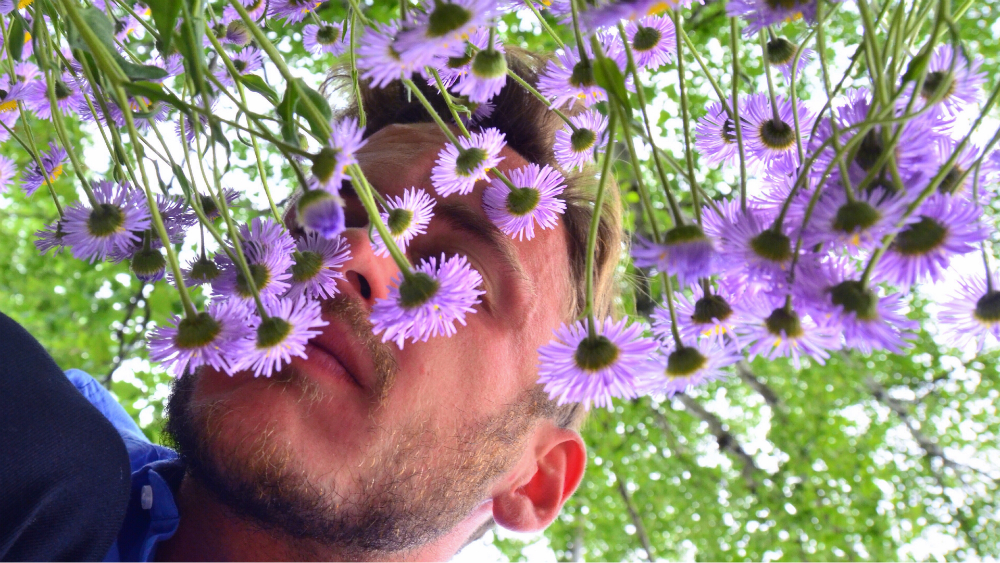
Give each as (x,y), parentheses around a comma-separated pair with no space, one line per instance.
(712,315)
(965,164)
(406,218)
(579,368)
(331,163)
(50,238)
(441,31)
(867,320)
(570,80)
(268,252)
(685,252)
(321,212)
(752,243)
(173,64)
(69,97)
(317,266)
(237,33)
(245,62)
(947,226)
(148,265)
(207,338)
(576,149)
(607,13)
(8,170)
(535,200)
(292,11)
(762,13)
(973,316)
(199,271)
(774,330)
(953,82)
(52,168)
(770,144)
(111,226)
(653,42)
(378,58)
(459,168)
(326,38)
(255,8)
(782,54)
(486,76)
(451,69)
(177,219)
(273,341)
(682,367)
(10,94)
(715,136)
(857,224)
(428,302)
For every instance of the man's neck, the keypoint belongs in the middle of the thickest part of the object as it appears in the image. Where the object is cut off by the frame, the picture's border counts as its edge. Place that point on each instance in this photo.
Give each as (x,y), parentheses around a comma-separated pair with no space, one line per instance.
(209,531)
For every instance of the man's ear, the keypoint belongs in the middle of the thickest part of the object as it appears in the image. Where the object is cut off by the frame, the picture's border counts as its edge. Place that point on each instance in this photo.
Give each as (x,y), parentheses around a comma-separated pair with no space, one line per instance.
(542,481)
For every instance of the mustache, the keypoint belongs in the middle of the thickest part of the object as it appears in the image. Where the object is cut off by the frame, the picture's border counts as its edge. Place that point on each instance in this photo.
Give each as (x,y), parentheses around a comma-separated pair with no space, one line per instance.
(356,316)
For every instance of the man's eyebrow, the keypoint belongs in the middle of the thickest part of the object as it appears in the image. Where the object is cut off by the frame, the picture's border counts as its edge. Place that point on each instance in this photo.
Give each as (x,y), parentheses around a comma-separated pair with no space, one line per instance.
(463,218)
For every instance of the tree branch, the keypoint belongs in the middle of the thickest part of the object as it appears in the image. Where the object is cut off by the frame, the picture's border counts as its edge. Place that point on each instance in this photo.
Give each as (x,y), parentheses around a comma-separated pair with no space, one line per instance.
(640,528)
(725,438)
(770,397)
(125,347)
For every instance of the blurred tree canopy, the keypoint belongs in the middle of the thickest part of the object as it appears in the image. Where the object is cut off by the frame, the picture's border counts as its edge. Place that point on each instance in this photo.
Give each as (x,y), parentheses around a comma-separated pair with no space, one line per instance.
(866,458)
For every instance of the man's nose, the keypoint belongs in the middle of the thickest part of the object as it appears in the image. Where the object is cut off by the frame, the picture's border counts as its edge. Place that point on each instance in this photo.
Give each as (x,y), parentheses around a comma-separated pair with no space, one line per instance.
(368,276)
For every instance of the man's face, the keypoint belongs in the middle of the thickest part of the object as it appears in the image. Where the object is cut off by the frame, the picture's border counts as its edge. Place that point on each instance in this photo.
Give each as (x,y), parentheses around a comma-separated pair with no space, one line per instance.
(368,446)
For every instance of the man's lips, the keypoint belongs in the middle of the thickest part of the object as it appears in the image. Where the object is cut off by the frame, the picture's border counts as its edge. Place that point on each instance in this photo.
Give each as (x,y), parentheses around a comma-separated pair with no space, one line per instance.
(337,352)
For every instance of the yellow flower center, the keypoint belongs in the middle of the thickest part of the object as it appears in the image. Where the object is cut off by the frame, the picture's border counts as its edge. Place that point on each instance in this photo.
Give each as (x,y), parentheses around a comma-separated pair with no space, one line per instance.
(56,172)
(8,106)
(24,4)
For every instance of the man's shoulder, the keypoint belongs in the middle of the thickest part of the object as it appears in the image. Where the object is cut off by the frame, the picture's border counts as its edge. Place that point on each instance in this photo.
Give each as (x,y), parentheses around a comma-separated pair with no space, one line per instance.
(140,450)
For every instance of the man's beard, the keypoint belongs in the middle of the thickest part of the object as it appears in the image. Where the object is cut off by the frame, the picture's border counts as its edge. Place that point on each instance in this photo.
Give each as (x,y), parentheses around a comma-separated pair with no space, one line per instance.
(414,486)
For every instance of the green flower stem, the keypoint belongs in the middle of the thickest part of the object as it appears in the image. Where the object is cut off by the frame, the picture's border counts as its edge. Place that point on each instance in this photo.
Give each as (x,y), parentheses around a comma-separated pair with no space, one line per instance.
(448,102)
(97,49)
(365,191)
(734,42)
(668,290)
(357,10)
(936,180)
(595,222)
(355,81)
(647,202)
(701,63)
(834,129)
(128,9)
(534,92)
(685,117)
(545,25)
(767,73)
(640,93)
(118,154)
(279,62)
(580,45)
(430,109)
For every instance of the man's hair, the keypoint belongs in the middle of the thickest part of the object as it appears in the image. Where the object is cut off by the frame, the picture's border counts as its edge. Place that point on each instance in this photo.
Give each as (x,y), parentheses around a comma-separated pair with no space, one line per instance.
(529,128)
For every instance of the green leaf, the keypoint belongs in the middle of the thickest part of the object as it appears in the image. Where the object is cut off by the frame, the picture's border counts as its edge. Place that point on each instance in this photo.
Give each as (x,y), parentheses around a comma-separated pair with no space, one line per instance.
(164,13)
(257,84)
(182,180)
(16,35)
(319,102)
(192,30)
(609,77)
(102,27)
(286,114)
(219,136)
(41,54)
(142,72)
(154,92)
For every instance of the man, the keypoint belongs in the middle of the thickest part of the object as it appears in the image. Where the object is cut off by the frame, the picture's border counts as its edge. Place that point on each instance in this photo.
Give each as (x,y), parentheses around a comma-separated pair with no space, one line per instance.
(364,451)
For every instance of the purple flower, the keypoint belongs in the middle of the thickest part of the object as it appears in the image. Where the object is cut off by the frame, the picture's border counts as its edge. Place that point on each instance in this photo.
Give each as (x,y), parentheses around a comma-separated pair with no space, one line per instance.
(378,58)
(576,149)
(947,226)
(451,69)
(535,200)
(203,339)
(268,252)
(570,80)
(713,315)
(255,9)
(246,61)
(69,97)
(486,76)
(429,301)
(111,226)
(653,41)
(441,30)
(960,80)
(273,341)
(318,261)
(199,271)
(579,368)
(683,367)
(52,168)
(177,219)
(319,211)
(406,218)
(8,170)
(292,11)
(715,136)
(330,165)
(772,330)
(973,315)
(608,13)
(686,253)
(770,145)
(10,94)
(50,238)
(857,224)
(458,169)
(327,38)
(965,164)
(760,14)
(752,243)
(173,64)
(782,54)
